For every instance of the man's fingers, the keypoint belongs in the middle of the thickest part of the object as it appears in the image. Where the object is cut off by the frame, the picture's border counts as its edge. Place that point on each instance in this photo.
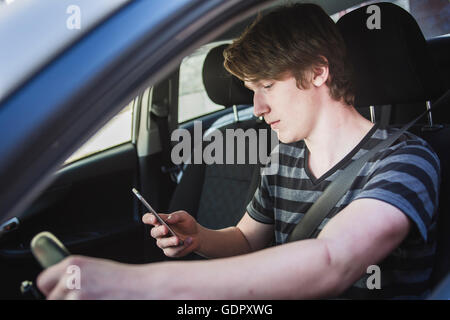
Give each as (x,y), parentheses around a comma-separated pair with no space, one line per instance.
(159,231)
(46,282)
(167,242)
(175,217)
(59,292)
(177,251)
(49,278)
(149,218)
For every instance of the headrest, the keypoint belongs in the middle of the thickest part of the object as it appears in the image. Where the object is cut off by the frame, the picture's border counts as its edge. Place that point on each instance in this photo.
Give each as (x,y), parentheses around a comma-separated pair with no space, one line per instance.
(222,87)
(391,64)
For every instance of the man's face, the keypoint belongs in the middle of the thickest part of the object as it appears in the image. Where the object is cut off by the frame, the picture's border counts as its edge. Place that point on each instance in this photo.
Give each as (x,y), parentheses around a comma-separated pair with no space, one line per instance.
(288,110)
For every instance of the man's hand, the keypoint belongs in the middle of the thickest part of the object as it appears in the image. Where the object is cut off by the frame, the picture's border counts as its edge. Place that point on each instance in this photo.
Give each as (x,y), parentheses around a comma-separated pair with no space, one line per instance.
(184,226)
(99,279)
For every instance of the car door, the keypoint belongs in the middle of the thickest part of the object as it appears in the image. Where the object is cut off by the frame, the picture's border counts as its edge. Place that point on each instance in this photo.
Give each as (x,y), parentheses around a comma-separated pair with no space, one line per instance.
(89,206)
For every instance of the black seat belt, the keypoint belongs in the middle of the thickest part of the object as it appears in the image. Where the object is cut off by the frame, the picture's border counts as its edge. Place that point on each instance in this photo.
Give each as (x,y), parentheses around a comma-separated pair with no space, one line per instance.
(337,189)
(160,114)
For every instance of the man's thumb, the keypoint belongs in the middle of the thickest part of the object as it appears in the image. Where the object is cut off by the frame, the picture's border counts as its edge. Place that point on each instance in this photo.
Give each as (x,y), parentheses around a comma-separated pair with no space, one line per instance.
(172,218)
(175,217)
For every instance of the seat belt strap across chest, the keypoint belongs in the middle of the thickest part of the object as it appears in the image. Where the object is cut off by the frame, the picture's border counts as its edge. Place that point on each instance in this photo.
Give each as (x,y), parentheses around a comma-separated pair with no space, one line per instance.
(339,187)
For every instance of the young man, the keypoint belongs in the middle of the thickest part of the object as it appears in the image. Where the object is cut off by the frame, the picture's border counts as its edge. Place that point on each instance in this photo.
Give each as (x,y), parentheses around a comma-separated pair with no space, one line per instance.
(294,61)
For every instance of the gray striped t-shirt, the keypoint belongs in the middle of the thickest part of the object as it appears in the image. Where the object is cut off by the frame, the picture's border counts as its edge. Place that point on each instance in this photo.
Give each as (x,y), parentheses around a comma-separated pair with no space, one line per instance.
(406,175)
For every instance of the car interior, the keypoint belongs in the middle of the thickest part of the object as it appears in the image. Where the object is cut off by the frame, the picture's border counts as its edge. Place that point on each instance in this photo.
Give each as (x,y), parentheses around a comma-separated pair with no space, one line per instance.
(90,207)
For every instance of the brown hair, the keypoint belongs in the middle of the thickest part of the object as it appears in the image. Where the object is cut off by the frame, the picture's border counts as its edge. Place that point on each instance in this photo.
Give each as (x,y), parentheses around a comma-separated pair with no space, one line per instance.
(296,39)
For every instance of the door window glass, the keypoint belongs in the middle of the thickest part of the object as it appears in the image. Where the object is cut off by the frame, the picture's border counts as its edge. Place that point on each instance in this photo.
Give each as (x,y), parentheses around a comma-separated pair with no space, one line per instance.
(115,132)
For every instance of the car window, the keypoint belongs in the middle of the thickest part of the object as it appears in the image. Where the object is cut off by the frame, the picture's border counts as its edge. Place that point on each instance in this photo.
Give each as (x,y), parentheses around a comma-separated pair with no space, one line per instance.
(431,15)
(193,101)
(116,131)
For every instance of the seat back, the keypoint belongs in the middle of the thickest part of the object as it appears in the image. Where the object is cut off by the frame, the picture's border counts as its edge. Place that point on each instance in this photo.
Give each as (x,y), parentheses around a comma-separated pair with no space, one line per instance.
(393,66)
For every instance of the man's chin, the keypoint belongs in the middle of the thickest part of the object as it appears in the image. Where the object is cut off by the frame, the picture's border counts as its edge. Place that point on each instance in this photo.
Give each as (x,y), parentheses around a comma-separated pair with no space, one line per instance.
(287,139)
(283,139)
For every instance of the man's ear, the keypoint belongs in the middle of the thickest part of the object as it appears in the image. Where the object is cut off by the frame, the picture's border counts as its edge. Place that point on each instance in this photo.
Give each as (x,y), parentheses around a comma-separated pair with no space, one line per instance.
(320,75)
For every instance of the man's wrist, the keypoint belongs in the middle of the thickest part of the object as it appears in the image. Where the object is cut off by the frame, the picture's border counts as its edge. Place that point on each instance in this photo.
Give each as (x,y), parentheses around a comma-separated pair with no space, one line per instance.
(156,275)
(201,235)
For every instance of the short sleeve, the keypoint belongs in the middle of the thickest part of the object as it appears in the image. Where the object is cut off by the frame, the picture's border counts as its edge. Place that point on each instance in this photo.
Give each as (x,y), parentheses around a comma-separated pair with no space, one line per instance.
(260,207)
(408,179)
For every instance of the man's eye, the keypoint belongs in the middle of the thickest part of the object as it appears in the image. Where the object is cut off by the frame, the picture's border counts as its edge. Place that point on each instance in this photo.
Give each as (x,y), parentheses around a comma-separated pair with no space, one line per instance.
(268,86)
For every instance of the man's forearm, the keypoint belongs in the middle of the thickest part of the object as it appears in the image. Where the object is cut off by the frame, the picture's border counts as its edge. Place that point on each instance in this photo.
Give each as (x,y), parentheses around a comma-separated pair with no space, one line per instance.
(222,243)
(293,271)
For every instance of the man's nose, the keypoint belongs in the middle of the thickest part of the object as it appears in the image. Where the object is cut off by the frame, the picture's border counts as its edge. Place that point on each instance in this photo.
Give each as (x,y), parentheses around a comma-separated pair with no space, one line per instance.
(260,106)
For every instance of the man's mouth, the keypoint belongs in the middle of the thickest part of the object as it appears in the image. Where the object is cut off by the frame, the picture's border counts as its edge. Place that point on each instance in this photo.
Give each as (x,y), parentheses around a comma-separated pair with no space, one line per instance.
(273,124)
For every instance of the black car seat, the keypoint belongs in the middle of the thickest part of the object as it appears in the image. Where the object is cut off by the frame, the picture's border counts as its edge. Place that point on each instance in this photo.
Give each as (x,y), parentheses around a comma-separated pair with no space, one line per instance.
(393,66)
(217,194)
(439,49)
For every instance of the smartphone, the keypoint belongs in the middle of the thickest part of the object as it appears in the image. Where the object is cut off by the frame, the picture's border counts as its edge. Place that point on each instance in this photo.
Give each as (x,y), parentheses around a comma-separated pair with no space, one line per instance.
(145,203)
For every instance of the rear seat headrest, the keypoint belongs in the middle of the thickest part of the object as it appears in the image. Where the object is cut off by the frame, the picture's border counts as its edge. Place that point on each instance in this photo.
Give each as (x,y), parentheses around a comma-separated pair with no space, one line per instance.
(222,87)
(392,64)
